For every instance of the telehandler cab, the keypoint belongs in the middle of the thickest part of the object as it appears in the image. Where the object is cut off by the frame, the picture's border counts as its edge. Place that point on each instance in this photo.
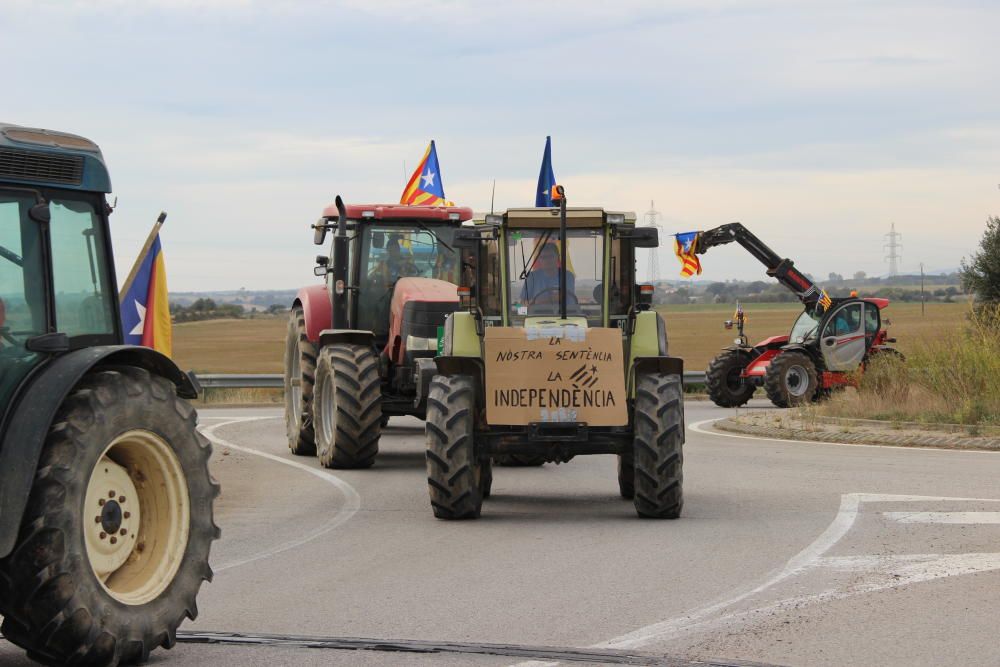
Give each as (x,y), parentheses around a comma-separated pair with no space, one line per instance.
(829,343)
(105,495)
(555,353)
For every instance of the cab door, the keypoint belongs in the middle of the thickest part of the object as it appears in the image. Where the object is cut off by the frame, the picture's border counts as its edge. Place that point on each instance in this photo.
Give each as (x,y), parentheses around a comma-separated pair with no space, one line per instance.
(843,339)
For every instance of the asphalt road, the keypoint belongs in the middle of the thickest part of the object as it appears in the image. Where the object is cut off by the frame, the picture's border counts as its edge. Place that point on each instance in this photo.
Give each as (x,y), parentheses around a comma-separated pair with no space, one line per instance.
(788,553)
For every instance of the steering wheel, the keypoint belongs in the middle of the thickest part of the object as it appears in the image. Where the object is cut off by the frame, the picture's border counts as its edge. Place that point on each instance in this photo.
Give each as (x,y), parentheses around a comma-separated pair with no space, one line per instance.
(532,301)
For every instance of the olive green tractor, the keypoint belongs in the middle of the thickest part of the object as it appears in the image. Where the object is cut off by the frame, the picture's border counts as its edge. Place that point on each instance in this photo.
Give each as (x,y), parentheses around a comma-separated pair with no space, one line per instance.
(555,352)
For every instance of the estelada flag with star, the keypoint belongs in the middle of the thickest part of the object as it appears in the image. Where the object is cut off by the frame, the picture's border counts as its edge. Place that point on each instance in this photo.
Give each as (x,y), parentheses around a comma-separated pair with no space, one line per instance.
(424,187)
(144,300)
(684,245)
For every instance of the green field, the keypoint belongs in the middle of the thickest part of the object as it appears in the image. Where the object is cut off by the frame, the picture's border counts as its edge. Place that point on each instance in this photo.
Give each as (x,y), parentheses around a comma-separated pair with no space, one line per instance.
(696,334)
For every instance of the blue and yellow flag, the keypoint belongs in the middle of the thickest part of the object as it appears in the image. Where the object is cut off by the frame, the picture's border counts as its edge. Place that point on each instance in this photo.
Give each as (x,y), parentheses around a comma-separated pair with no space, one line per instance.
(144,301)
(546,178)
(424,187)
(684,245)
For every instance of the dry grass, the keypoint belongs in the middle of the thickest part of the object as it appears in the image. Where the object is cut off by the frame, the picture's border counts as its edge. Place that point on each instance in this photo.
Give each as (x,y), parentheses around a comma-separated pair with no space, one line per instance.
(696,334)
(217,396)
(953,377)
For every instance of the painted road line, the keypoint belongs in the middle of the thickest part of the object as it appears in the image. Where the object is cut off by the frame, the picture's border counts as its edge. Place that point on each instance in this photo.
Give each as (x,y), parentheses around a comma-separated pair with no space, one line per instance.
(944,517)
(352,501)
(809,557)
(698,427)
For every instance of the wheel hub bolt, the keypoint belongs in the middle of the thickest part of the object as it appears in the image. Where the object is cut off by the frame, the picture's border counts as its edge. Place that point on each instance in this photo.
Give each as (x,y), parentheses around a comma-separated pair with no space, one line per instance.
(127,515)
(114,540)
(103,534)
(123,532)
(111,494)
(101,502)
(121,499)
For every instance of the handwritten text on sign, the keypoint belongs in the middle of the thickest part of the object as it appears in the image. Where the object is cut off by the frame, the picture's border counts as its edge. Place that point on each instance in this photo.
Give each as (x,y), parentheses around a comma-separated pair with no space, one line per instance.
(565,374)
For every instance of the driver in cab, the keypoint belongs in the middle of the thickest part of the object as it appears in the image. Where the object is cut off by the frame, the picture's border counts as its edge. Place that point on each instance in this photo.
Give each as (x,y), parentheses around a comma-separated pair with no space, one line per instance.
(393,265)
(541,285)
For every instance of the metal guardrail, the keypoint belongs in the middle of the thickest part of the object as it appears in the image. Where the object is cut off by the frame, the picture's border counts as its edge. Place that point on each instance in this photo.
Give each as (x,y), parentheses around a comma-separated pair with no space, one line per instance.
(276,381)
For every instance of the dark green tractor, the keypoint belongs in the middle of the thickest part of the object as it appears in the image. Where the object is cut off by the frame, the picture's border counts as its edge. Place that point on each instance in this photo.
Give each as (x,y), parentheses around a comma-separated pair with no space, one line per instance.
(105,495)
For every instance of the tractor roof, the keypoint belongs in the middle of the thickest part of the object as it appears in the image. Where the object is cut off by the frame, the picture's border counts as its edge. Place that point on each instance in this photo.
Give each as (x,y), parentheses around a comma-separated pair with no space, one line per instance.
(575,217)
(401,212)
(48,158)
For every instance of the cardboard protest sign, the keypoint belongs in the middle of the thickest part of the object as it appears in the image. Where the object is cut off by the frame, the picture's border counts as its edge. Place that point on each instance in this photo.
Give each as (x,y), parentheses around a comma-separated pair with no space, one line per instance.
(555,374)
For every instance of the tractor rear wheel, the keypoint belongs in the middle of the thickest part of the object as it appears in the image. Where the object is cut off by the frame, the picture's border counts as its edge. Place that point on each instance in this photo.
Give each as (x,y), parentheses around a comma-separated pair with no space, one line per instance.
(658,446)
(454,473)
(791,379)
(722,379)
(115,540)
(519,460)
(348,406)
(300,374)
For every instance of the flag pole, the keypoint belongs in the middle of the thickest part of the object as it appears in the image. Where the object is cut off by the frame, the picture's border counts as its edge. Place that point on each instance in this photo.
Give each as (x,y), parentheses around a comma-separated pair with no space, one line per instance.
(160,219)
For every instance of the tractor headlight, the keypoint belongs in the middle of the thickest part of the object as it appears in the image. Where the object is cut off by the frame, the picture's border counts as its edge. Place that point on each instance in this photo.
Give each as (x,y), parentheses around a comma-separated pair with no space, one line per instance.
(418,344)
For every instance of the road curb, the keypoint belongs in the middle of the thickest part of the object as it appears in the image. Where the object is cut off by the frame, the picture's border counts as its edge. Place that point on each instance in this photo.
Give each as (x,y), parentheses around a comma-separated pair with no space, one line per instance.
(882,437)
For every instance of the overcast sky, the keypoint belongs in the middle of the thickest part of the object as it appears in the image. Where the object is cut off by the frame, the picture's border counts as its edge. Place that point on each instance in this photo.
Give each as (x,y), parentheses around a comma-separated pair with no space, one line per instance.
(815,124)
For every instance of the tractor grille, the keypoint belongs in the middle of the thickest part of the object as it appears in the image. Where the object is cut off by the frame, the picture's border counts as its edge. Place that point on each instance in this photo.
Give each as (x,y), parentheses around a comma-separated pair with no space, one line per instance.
(41,167)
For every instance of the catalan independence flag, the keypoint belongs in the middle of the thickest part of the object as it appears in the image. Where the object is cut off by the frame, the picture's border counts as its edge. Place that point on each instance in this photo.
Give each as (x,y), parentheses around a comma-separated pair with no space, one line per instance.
(144,301)
(684,245)
(424,187)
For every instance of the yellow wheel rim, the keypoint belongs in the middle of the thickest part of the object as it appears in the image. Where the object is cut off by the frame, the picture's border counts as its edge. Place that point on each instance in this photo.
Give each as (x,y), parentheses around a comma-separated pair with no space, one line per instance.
(136,517)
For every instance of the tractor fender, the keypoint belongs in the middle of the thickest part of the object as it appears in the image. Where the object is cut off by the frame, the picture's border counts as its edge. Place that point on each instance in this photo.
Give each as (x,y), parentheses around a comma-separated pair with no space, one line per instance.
(40,398)
(646,365)
(349,336)
(316,308)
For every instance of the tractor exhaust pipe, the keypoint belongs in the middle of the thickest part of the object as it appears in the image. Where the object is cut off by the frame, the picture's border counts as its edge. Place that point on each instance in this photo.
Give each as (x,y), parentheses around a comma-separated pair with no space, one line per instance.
(338,294)
(560,195)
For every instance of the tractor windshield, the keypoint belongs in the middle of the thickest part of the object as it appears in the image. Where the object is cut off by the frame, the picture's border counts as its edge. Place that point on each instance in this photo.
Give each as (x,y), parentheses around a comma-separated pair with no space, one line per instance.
(804,328)
(533,257)
(393,251)
(22,289)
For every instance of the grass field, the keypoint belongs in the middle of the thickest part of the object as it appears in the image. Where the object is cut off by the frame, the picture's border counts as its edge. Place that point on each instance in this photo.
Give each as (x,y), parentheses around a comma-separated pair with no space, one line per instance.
(696,334)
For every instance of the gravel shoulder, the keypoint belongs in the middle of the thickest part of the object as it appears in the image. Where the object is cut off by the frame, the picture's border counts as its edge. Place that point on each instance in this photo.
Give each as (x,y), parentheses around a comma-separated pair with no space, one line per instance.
(797,425)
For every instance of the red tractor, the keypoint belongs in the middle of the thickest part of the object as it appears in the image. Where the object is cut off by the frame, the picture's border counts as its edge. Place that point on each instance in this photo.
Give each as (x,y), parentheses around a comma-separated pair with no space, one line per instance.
(360,348)
(829,343)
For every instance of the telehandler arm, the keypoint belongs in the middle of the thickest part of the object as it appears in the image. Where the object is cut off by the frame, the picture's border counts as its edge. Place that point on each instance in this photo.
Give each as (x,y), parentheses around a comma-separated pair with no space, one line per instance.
(781,269)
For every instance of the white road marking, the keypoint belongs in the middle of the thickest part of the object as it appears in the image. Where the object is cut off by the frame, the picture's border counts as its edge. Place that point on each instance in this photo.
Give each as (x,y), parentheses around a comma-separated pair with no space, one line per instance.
(352,501)
(944,517)
(809,557)
(697,427)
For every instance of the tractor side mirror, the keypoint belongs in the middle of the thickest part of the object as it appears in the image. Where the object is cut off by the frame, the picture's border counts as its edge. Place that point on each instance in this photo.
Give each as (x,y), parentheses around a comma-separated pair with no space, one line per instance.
(378,240)
(319,231)
(642,237)
(40,213)
(466,237)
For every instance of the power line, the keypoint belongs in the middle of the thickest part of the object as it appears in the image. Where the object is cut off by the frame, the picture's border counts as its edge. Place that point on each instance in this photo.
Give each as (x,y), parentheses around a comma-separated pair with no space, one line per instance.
(893,246)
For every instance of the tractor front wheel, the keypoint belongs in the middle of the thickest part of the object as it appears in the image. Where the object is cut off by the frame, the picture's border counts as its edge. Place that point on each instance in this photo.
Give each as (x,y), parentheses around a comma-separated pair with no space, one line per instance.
(791,379)
(658,446)
(300,374)
(115,539)
(348,406)
(722,379)
(455,476)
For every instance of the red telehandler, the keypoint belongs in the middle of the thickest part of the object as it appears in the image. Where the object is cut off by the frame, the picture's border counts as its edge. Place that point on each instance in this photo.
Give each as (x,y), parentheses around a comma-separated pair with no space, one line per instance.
(830,341)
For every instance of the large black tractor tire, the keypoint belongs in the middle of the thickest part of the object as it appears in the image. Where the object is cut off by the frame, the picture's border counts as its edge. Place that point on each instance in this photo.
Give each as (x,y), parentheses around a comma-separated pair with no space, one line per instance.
(658,446)
(454,473)
(791,379)
(300,377)
(626,477)
(347,409)
(519,461)
(723,382)
(123,496)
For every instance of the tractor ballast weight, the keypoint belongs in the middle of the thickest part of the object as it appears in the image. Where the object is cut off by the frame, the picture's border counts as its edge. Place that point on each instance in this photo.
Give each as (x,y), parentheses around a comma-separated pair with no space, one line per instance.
(390,280)
(555,353)
(84,416)
(830,342)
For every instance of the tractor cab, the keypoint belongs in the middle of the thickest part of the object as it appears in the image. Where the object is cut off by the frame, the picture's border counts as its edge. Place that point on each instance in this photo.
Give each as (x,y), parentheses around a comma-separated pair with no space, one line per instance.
(841,336)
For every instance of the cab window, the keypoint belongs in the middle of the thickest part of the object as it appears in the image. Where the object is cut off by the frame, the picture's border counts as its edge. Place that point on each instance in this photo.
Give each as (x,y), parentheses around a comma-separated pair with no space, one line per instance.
(845,321)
